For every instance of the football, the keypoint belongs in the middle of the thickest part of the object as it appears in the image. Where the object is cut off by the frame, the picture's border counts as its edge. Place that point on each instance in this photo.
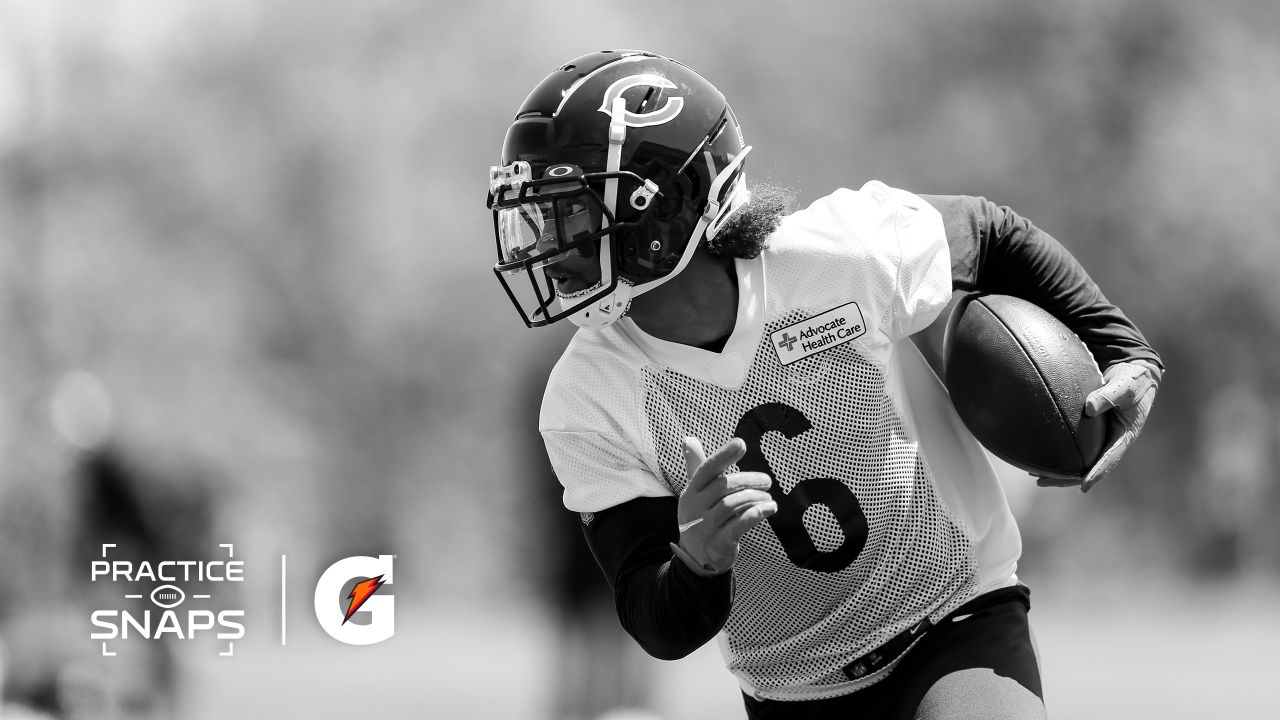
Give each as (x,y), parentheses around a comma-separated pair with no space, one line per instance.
(1018,378)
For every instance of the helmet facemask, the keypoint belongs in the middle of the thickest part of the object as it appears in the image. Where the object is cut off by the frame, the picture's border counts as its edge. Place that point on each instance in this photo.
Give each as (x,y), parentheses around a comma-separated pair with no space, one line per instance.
(550,228)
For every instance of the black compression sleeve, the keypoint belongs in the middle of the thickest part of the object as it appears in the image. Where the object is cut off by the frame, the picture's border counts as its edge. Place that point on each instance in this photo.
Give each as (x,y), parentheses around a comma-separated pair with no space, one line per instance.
(995,250)
(668,609)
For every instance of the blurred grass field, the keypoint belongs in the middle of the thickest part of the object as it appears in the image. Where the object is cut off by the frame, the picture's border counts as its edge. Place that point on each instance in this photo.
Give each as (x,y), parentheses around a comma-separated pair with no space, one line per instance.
(1128,650)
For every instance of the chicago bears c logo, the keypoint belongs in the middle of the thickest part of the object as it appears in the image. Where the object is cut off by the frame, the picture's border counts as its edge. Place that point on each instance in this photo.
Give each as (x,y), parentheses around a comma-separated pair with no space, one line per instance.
(664,114)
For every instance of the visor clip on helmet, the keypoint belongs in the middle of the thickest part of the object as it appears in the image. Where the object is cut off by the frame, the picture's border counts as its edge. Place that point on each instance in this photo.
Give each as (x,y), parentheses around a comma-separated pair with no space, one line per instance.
(643,195)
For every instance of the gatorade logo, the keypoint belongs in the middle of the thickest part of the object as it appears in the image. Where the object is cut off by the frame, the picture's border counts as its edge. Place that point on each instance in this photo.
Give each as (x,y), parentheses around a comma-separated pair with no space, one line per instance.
(350,603)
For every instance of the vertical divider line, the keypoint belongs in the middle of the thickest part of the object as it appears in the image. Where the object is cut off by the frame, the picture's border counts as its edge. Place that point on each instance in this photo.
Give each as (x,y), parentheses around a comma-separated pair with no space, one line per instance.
(282,596)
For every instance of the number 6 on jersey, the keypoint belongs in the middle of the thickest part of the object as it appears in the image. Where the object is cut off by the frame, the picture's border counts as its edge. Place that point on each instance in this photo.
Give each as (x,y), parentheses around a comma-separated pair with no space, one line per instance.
(788,523)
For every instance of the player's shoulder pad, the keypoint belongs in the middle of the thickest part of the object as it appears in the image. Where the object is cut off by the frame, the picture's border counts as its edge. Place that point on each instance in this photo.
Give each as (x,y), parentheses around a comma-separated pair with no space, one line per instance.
(897,206)
(591,380)
(868,215)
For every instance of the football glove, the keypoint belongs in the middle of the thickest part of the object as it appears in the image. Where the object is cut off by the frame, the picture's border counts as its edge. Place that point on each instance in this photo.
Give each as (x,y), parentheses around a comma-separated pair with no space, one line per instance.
(717,508)
(1128,391)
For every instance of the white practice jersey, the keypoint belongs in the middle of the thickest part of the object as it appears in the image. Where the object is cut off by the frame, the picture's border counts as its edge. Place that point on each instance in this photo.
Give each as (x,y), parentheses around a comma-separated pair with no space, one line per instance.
(889,510)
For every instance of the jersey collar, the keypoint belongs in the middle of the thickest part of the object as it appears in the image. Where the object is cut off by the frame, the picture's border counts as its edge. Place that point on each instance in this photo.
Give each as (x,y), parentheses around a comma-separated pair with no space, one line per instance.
(727,368)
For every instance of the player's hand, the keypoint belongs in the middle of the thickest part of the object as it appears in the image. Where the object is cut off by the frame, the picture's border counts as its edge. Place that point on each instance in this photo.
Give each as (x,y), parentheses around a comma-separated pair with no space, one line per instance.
(717,508)
(1128,391)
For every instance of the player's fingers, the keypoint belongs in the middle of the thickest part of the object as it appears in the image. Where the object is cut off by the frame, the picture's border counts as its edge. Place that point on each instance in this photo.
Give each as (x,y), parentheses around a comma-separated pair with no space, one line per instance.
(1110,395)
(1108,461)
(1120,439)
(693,456)
(734,482)
(724,485)
(715,464)
(1094,479)
(730,507)
(1057,482)
(747,519)
(1136,383)
(726,455)
(1097,403)
(1096,475)
(1124,385)
(1051,479)
(1135,416)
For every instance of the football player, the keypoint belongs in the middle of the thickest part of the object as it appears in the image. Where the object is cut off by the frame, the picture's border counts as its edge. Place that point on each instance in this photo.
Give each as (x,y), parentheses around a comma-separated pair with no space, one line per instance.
(757,451)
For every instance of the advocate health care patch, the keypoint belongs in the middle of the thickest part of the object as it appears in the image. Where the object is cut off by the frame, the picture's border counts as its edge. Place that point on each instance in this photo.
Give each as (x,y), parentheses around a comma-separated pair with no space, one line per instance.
(821,332)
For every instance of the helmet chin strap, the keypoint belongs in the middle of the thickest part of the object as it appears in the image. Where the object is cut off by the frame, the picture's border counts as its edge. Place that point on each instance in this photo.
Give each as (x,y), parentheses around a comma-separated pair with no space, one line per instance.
(609,308)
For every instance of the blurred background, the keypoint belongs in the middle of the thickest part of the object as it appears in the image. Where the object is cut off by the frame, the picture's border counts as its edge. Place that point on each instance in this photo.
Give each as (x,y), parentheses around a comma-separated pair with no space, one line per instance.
(245,297)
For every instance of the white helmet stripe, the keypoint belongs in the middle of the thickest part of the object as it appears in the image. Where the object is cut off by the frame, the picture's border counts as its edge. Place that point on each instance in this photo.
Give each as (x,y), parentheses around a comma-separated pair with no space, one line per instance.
(633,57)
(591,316)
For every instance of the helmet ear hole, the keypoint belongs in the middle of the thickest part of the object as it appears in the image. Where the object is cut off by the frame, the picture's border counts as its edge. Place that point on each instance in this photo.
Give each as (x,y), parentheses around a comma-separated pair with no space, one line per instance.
(673,199)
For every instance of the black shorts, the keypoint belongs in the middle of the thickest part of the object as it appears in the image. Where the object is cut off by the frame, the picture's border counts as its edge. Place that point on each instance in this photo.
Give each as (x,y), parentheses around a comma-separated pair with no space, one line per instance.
(988,635)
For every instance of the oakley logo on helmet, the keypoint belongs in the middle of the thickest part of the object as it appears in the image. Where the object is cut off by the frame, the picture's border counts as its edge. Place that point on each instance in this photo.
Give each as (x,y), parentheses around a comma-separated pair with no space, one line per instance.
(669,110)
(559,171)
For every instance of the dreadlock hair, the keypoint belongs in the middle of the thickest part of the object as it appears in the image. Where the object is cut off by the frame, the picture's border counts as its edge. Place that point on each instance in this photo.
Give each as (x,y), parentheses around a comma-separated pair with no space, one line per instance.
(746,234)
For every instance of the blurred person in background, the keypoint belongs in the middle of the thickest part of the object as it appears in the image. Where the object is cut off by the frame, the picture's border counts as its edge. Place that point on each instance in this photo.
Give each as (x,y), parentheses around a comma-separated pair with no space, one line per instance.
(152,510)
(597,669)
(861,561)
(1229,492)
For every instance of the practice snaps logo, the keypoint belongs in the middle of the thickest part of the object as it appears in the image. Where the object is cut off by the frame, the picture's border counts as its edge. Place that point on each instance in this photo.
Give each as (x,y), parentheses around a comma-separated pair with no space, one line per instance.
(351,603)
(173,613)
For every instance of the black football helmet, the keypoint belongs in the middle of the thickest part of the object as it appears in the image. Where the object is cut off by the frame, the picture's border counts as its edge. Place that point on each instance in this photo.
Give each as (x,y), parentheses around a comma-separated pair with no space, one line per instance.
(624,156)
